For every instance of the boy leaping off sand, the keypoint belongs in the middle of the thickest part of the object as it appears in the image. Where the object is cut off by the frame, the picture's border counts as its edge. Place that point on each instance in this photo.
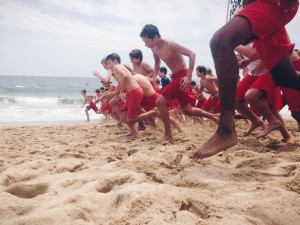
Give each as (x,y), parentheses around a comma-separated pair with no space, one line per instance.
(172,54)
(264,22)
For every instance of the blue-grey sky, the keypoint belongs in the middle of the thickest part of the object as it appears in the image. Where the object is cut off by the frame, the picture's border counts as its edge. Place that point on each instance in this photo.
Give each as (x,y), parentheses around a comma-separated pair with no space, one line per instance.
(70,37)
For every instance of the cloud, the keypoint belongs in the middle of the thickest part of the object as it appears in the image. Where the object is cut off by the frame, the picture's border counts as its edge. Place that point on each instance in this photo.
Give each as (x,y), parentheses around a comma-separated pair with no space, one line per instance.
(89,26)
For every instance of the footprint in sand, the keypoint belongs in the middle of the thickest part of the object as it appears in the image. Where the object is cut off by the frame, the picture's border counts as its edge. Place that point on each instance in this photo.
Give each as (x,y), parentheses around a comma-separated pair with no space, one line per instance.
(8,179)
(294,184)
(79,215)
(258,163)
(200,209)
(23,190)
(107,184)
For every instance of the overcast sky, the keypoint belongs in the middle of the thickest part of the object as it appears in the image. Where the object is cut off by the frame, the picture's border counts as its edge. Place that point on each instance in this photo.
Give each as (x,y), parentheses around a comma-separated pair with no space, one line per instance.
(70,37)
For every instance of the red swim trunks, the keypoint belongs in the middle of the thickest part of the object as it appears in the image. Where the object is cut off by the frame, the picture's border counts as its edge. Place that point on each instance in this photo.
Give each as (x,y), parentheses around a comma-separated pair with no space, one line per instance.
(92,106)
(149,103)
(106,107)
(133,102)
(212,103)
(200,103)
(267,20)
(244,85)
(172,89)
(291,96)
(273,94)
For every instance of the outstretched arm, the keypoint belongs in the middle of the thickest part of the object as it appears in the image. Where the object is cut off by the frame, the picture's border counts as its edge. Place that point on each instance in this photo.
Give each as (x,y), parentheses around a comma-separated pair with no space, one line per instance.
(102,78)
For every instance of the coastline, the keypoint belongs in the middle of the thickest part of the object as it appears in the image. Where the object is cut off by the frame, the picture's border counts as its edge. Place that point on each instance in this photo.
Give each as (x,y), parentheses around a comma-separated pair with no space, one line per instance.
(92,173)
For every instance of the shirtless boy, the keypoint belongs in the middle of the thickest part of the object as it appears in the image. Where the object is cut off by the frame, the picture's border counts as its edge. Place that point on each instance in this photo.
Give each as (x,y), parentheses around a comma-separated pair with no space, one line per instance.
(264,22)
(126,83)
(208,84)
(139,66)
(88,99)
(172,54)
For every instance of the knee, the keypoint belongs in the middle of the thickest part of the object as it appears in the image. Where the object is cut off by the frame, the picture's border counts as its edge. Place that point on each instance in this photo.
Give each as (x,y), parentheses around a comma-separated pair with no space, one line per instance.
(187,111)
(161,101)
(250,97)
(219,42)
(129,121)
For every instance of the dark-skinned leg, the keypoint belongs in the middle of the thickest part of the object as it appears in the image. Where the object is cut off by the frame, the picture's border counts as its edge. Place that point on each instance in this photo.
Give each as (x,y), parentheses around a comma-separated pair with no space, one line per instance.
(284,74)
(235,32)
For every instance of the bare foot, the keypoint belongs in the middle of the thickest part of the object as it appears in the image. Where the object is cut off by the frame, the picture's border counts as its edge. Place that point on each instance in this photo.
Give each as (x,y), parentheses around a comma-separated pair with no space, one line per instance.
(136,136)
(254,125)
(141,126)
(269,128)
(168,137)
(288,140)
(217,143)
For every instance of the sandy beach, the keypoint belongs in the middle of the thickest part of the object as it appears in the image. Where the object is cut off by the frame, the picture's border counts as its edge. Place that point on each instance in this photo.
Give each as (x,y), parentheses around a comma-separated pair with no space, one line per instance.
(93,174)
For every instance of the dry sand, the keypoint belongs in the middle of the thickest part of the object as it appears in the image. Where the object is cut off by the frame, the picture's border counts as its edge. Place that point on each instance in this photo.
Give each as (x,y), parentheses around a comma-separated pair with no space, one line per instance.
(93,174)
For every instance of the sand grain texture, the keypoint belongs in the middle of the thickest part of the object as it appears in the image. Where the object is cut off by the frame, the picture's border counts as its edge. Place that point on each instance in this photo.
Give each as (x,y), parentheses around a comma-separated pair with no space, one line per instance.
(93,174)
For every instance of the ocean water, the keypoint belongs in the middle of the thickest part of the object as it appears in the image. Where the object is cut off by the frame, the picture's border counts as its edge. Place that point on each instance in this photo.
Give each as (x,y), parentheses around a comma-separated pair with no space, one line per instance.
(30,99)
(39,99)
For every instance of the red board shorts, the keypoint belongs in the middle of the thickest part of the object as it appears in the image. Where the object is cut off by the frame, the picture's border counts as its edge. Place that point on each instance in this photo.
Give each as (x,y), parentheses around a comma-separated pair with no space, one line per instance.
(200,103)
(273,95)
(172,89)
(92,106)
(212,103)
(106,107)
(292,96)
(267,20)
(133,102)
(149,102)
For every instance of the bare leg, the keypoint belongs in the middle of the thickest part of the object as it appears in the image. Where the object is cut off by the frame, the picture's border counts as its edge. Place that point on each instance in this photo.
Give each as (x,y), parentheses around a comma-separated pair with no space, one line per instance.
(256,99)
(296,116)
(192,111)
(87,116)
(175,124)
(165,117)
(284,74)
(134,132)
(242,108)
(176,115)
(287,138)
(235,32)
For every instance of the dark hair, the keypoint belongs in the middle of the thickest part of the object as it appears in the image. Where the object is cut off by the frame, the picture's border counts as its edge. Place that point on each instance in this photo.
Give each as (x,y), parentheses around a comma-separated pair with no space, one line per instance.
(102,89)
(149,31)
(193,83)
(114,56)
(136,53)
(108,82)
(97,90)
(163,70)
(83,90)
(208,70)
(103,61)
(201,69)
